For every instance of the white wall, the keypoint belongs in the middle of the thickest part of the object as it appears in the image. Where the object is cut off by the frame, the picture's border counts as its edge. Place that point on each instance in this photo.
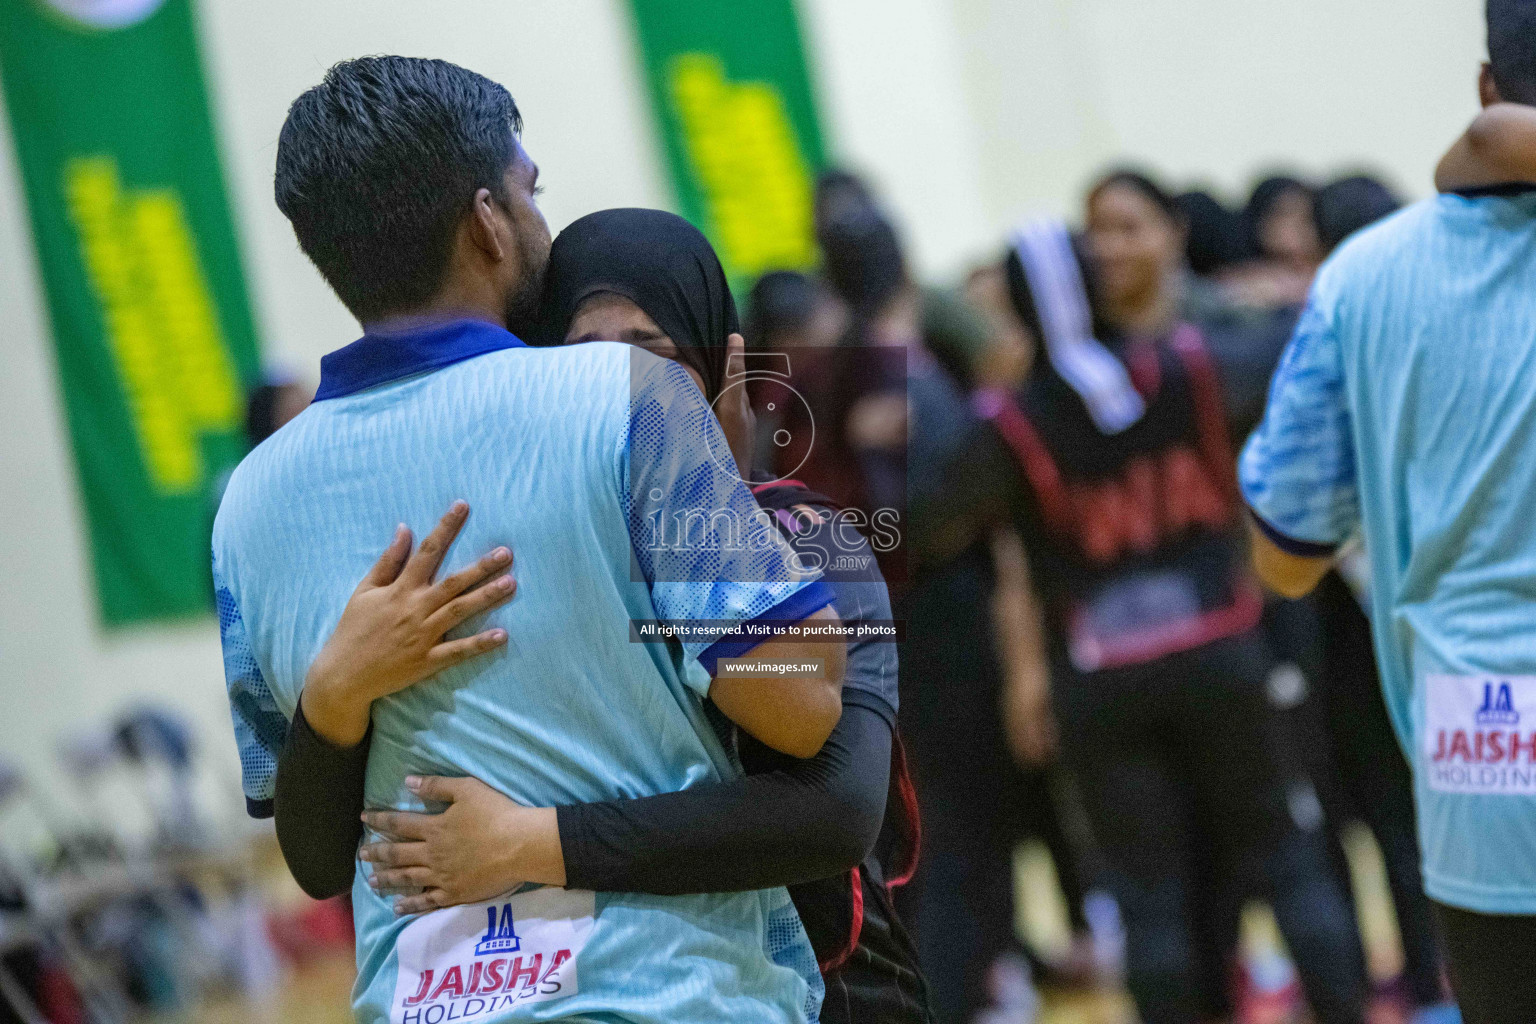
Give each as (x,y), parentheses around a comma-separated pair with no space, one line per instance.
(1211,91)
(967,113)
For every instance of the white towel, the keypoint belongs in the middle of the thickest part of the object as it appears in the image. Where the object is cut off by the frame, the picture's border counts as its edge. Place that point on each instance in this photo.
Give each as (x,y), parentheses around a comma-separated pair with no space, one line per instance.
(1055,280)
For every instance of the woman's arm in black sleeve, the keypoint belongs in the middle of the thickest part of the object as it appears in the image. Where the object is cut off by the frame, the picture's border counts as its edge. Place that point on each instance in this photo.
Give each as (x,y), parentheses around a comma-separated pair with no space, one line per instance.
(318,806)
(805,820)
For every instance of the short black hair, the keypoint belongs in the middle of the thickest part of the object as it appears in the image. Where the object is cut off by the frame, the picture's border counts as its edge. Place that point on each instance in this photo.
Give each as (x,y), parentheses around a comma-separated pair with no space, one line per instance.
(377,163)
(1512,49)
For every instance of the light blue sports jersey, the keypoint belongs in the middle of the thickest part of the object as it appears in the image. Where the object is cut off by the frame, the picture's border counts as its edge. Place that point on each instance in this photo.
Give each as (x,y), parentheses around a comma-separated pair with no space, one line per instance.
(1405,408)
(547,446)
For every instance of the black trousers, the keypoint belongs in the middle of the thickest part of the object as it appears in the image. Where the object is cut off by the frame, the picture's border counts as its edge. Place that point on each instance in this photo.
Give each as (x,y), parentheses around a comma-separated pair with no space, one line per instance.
(977,805)
(1493,964)
(1177,763)
(1369,771)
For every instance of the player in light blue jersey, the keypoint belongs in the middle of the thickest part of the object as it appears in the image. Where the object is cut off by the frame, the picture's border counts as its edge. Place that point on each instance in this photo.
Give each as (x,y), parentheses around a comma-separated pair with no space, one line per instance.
(1404,410)
(407,187)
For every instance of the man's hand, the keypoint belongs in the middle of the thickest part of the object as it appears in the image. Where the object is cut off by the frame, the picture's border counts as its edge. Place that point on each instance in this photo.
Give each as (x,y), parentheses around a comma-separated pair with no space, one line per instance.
(391,632)
(481,846)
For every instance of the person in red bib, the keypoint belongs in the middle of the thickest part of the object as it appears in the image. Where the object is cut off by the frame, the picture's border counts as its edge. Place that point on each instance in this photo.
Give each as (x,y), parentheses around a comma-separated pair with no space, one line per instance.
(1127,504)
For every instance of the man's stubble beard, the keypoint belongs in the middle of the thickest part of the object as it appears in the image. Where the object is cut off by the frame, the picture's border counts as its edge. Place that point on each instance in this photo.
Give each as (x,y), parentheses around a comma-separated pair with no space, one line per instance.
(522,309)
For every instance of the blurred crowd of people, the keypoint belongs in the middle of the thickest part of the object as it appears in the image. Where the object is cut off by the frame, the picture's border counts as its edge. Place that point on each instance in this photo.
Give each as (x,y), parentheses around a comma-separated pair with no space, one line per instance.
(1087,660)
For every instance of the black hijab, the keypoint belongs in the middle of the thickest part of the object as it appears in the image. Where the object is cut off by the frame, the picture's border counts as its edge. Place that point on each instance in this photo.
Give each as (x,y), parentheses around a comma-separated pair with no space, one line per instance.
(658,261)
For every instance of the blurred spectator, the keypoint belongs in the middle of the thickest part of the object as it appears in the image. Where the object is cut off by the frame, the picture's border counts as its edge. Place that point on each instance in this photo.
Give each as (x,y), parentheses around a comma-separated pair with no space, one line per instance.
(1280,237)
(1369,780)
(271,405)
(959,336)
(787,309)
(1135,234)
(1346,205)
(1246,346)
(1215,240)
(861,255)
(857,397)
(1136,237)
(1280,224)
(798,316)
(1009,350)
(1151,620)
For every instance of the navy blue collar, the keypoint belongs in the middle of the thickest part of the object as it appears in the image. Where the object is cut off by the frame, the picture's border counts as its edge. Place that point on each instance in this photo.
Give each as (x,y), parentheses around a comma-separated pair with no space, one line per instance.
(376,359)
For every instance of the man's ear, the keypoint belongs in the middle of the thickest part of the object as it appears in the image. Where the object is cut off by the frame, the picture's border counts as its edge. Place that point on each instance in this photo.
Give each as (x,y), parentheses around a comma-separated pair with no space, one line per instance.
(1487,90)
(483,226)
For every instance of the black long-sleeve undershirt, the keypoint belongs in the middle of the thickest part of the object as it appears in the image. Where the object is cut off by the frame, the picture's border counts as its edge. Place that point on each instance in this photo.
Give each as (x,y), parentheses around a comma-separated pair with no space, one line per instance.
(318,806)
(798,821)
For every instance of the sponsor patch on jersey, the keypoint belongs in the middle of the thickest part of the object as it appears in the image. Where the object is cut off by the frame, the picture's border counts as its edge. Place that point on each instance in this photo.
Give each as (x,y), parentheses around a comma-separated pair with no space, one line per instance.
(1480,734)
(477,961)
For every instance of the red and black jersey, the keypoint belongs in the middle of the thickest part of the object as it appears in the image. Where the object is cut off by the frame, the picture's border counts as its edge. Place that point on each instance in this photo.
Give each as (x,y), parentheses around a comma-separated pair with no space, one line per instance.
(865,954)
(1135,537)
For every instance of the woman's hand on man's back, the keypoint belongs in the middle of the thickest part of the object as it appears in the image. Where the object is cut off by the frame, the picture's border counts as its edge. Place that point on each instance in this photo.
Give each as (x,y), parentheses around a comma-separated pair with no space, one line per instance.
(391,633)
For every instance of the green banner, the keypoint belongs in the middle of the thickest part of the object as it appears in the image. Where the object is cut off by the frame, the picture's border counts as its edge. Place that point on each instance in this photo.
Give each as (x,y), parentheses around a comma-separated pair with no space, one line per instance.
(729,85)
(137,250)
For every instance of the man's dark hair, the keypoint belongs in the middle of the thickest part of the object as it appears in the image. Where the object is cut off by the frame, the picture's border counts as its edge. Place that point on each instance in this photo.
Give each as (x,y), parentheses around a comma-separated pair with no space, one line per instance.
(1512,49)
(377,163)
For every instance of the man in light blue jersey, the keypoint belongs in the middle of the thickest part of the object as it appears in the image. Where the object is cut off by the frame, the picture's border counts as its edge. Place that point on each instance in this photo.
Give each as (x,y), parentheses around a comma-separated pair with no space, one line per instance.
(407,187)
(1405,409)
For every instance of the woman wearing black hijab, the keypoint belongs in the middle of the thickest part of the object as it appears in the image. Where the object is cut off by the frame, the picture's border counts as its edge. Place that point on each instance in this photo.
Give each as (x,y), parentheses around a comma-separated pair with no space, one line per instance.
(649,278)
(660,264)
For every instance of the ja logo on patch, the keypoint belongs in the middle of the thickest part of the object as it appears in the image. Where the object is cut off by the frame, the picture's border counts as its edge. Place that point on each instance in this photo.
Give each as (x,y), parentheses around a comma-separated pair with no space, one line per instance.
(1472,741)
(500,935)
